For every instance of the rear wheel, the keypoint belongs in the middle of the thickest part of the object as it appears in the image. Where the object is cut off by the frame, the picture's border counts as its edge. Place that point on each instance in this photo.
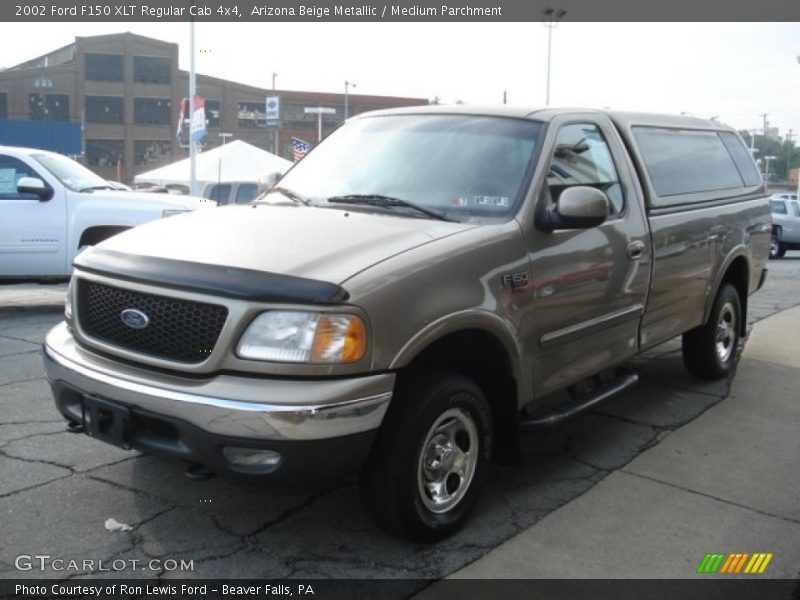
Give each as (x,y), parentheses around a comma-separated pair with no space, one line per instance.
(430,459)
(709,351)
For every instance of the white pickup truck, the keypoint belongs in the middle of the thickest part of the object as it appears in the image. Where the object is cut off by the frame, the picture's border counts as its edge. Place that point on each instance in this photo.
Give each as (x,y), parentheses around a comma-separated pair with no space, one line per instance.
(51,206)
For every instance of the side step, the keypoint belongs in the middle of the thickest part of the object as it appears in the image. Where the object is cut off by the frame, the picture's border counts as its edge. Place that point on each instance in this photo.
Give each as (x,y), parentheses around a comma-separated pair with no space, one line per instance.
(580,403)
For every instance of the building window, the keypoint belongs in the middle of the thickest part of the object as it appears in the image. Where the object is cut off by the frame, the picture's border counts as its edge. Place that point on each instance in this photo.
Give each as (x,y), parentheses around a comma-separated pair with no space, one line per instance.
(152,69)
(104,67)
(104,109)
(294,116)
(3,105)
(151,111)
(152,152)
(48,107)
(213,113)
(251,114)
(103,153)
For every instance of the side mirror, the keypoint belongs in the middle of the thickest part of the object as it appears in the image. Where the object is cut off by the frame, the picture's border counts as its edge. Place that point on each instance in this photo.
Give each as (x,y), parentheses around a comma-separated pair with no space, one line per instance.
(34,185)
(579,207)
(269,180)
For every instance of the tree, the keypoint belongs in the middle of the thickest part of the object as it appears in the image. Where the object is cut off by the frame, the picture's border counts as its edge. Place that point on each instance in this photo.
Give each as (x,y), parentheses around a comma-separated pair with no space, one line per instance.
(784,151)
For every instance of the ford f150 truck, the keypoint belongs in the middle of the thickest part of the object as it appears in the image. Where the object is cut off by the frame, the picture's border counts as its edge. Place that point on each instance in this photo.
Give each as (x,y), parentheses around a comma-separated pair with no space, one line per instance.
(413,293)
(51,206)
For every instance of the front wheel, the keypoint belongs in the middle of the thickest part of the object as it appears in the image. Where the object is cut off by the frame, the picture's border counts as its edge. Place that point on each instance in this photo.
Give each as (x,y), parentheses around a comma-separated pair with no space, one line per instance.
(709,351)
(430,459)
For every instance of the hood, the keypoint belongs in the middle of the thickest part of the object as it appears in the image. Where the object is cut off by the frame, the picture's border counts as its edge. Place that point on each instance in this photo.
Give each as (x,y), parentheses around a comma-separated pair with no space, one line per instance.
(167,201)
(316,243)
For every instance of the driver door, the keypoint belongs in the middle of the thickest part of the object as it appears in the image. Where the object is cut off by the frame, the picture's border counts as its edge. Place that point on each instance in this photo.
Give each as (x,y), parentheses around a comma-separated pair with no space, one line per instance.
(32,231)
(589,285)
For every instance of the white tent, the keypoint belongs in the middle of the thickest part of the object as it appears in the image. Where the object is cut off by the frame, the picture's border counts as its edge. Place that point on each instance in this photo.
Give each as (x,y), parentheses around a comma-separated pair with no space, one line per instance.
(233,165)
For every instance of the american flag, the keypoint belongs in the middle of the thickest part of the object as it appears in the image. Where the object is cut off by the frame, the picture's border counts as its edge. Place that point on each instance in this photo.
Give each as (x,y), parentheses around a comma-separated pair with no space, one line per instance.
(299,148)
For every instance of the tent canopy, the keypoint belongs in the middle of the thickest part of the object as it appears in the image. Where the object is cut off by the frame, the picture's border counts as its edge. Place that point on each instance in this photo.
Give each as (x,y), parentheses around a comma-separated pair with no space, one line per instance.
(236,161)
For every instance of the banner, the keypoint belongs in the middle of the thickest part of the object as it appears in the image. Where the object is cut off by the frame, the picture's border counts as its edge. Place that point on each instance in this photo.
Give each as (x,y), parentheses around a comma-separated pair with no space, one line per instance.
(273,111)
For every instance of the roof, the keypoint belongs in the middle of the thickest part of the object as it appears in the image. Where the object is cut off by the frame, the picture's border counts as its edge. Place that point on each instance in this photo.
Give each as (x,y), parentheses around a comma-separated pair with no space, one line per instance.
(621,118)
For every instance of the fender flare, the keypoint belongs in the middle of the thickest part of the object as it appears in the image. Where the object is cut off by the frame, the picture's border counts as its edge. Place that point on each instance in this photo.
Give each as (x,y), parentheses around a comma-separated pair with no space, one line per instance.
(735,253)
(468,320)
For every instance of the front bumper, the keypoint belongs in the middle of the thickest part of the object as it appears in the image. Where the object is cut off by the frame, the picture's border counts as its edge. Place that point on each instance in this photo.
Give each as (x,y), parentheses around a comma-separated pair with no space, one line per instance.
(322,428)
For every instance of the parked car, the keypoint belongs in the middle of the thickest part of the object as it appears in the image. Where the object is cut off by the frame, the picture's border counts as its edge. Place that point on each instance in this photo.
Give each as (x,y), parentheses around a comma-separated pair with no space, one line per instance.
(410,294)
(52,206)
(785,224)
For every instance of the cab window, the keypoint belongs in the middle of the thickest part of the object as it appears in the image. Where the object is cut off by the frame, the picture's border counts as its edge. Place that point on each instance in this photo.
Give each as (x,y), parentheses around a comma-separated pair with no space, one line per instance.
(11,171)
(582,157)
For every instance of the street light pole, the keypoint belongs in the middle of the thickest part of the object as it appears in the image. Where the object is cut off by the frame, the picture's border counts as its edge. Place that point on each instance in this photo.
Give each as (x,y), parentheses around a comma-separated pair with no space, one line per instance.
(551,18)
(347,84)
(274,76)
(766,172)
(192,93)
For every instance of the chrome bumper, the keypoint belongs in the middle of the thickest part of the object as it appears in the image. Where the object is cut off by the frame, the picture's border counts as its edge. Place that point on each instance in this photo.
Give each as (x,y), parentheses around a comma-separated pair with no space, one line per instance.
(255,408)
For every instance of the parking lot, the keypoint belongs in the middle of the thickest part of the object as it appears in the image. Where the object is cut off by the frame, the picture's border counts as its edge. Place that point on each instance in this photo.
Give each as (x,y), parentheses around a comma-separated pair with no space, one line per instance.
(71,497)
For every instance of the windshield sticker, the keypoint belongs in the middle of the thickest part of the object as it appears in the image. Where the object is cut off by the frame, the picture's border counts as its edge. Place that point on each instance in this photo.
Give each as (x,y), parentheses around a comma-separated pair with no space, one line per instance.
(458,201)
(492,200)
(8,181)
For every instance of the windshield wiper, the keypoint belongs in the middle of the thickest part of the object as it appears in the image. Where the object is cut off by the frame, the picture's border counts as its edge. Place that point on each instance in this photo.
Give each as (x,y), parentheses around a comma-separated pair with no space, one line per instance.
(291,194)
(388,202)
(92,188)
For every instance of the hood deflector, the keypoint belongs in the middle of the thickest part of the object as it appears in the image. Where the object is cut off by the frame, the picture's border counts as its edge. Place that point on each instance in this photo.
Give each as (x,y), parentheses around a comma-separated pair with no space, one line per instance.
(219,280)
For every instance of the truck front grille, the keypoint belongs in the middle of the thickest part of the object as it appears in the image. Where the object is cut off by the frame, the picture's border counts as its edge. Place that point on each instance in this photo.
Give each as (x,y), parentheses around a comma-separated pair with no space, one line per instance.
(177,330)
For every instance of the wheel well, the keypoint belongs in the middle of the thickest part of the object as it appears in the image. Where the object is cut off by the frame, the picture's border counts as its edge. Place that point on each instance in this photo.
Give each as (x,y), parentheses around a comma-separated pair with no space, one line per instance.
(738,276)
(482,357)
(95,235)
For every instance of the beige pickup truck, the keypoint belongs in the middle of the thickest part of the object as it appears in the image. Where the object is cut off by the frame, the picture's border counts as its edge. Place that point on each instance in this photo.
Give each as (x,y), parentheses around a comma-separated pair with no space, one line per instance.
(413,293)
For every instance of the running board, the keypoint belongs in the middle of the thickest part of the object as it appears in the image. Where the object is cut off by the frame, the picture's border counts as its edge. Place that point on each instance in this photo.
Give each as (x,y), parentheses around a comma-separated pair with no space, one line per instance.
(553,417)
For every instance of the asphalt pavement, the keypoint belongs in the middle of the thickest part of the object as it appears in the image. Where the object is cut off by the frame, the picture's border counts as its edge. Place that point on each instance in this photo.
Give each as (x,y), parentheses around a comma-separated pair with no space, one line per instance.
(635,478)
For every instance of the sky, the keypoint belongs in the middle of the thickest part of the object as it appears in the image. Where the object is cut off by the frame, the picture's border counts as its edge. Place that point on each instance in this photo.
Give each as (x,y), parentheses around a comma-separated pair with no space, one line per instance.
(734,71)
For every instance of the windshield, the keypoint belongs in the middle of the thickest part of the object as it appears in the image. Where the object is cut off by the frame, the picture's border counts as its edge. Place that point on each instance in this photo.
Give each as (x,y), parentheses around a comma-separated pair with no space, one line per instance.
(73,175)
(463,166)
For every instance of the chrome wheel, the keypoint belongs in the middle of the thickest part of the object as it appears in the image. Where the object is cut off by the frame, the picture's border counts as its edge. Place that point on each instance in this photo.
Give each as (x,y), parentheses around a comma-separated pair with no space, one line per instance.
(725,338)
(774,247)
(448,460)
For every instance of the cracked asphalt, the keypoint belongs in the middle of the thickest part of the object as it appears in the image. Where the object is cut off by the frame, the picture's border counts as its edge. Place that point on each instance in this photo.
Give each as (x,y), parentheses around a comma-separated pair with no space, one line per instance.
(58,489)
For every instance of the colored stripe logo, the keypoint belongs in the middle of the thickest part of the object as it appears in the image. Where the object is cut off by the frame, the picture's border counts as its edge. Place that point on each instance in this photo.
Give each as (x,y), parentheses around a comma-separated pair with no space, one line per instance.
(735,563)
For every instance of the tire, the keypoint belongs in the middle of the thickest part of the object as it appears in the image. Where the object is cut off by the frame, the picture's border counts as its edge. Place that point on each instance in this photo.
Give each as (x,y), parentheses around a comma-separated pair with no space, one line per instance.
(776,248)
(430,459)
(710,351)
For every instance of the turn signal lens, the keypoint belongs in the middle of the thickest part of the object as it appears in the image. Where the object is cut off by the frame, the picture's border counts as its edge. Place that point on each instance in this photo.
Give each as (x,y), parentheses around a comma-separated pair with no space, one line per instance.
(339,338)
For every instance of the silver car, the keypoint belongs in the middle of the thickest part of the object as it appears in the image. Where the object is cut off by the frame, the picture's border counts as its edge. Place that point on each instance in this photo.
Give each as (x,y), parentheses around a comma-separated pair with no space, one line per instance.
(785,224)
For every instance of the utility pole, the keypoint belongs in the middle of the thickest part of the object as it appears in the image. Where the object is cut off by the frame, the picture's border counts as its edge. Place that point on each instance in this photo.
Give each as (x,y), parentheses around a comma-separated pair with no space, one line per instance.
(789,153)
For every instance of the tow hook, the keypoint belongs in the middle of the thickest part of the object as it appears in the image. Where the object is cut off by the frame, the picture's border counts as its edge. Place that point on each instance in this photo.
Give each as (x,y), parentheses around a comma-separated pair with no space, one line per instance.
(199,472)
(75,427)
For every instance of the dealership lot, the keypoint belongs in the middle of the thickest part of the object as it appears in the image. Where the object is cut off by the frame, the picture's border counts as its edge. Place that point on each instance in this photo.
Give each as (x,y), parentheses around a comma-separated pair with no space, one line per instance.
(73,498)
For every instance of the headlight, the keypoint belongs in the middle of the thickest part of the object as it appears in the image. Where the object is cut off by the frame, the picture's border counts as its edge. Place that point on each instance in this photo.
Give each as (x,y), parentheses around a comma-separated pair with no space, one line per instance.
(171,212)
(68,299)
(304,337)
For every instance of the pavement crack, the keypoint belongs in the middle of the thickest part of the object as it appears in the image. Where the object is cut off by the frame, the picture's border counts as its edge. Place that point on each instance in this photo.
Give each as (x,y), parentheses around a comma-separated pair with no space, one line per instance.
(712,497)
(38,461)
(28,436)
(7,383)
(37,485)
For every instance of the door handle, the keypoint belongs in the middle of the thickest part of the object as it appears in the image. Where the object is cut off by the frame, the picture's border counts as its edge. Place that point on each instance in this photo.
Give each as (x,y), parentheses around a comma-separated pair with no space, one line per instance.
(635,250)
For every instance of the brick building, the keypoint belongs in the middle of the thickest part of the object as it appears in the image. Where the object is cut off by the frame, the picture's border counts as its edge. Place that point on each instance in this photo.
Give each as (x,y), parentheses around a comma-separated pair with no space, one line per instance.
(126,90)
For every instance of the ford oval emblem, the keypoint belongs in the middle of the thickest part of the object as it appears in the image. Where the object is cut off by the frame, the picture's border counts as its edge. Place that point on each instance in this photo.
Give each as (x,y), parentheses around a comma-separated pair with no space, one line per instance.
(135,319)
